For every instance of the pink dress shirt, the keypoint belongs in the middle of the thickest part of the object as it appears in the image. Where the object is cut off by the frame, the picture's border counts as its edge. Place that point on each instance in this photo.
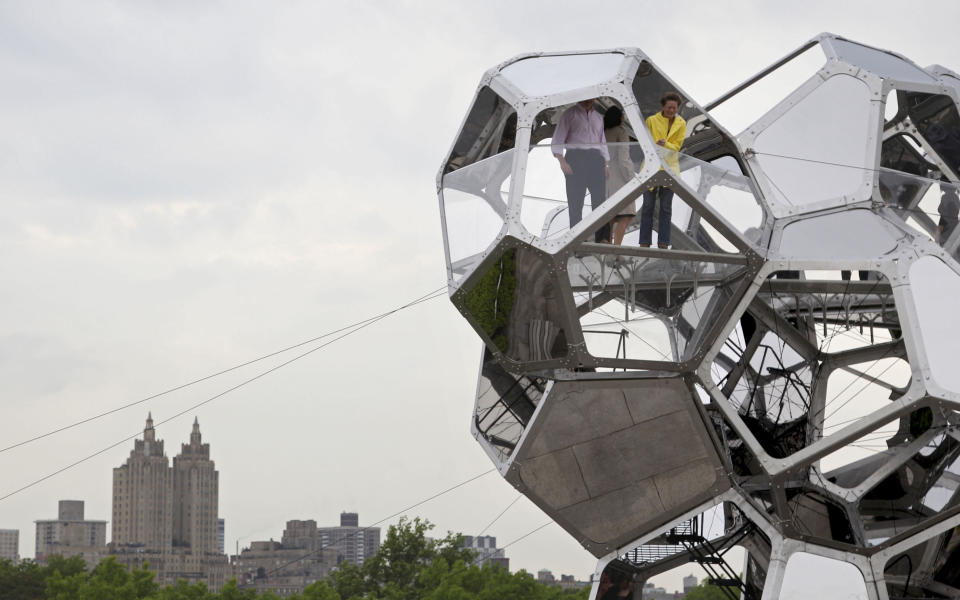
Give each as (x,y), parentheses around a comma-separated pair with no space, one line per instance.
(580,129)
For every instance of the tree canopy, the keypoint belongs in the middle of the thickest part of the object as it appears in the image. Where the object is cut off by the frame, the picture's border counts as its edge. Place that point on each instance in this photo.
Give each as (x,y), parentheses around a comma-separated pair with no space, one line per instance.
(408,566)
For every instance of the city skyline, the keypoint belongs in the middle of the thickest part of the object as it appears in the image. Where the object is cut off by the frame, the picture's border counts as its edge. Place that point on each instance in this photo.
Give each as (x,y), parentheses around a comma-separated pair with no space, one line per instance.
(190,187)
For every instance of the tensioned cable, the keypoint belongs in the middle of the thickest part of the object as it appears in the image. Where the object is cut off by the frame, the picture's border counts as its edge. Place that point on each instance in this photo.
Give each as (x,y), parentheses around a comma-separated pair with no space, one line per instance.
(212,398)
(497,518)
(399,512)
(358,324)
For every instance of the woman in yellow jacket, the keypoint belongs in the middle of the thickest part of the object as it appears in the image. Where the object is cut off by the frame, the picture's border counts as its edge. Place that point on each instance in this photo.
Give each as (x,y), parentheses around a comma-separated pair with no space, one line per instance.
(668,130)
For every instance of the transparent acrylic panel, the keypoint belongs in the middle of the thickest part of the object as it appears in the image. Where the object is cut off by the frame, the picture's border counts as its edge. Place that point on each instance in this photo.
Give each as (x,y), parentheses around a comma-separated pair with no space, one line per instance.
(649,308)
(545,75)
(930,206)
(639,335)
(474,204)
(891,107)
(738,112)
(729,194)
(546,206)
(938,121)
(903,153)
(861,457)
(545,211)
(490,128)
(819,149)
(517,306)
(880,62)
(850,234)
(935,288)
(835,310)
(862,389)
(781,391)
(504,406)
(833,579)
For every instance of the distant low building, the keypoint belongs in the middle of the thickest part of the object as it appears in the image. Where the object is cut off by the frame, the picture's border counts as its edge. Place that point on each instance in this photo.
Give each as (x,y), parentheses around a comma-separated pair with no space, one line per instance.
(652,592)
(487,552)
(570,582)
(546,577)
(281,569)
(10,544)
(71,535)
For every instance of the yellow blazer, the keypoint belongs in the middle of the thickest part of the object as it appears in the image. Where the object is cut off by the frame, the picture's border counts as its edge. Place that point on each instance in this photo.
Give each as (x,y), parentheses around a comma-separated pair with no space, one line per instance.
(660,128)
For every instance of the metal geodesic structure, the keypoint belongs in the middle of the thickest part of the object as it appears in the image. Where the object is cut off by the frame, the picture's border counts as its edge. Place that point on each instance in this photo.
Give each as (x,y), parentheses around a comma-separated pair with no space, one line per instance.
(784,379)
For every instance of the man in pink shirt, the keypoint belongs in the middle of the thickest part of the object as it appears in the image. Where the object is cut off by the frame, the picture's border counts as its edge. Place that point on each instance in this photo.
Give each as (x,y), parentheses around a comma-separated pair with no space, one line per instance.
(585,164)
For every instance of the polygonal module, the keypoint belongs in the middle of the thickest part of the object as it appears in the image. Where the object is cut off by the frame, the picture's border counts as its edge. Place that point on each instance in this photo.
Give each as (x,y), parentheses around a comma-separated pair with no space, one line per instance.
(784,364)
(600,458)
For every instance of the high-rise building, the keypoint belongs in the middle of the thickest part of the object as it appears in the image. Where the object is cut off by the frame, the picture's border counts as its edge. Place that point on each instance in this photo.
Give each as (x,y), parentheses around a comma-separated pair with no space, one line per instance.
(168,515)
(195,501)
(143,496)
(354,543)
(689,582)
(10,544)
(71,535)
(486,548)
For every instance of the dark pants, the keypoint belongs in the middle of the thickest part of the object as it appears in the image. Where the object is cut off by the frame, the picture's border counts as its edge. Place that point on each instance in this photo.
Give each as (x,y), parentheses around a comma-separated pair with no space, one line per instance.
(589,173)
(646,215)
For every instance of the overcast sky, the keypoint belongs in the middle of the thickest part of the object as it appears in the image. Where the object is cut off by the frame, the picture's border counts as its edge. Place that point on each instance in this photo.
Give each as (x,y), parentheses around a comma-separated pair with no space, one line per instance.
(185,186)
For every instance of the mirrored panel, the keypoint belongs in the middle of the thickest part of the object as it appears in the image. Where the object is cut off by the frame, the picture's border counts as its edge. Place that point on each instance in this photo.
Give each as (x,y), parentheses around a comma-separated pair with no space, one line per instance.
(490,128)
(929,206)
(935,117)
(516,305)
(504,406)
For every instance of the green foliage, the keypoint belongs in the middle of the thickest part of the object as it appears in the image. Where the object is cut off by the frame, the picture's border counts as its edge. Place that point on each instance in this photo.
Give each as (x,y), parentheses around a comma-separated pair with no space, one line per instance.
(408,566)
(705,591)
(491,299)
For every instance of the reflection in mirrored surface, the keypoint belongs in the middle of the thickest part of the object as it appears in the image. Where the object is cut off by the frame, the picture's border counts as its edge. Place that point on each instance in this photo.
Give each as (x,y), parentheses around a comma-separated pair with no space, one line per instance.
(931,207)
(504,405)
(473,201)
(936,118)
(490,128)
(516,304)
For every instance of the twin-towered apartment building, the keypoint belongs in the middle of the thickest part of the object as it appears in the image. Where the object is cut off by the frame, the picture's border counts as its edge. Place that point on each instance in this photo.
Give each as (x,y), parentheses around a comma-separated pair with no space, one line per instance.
(166,514)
